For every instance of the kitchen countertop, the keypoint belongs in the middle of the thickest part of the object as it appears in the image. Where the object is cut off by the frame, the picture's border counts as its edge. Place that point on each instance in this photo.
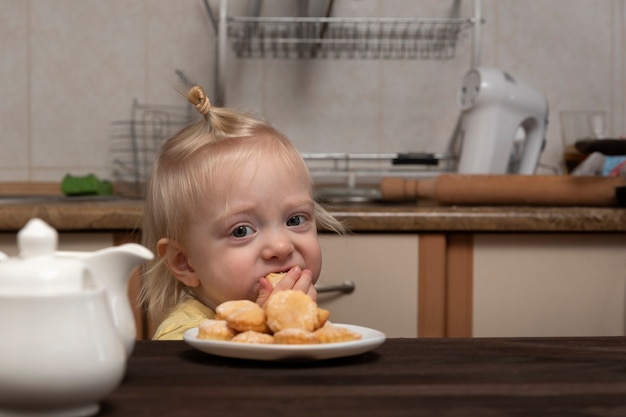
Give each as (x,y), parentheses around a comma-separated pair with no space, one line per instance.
(119,214)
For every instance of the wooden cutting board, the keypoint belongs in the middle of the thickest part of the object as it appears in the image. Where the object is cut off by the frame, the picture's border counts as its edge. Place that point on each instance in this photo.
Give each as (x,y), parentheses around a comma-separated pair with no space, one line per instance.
(30,188)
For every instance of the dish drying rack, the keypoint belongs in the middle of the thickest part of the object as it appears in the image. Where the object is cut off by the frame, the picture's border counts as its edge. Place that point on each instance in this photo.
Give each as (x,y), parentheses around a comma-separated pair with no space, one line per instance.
(361,38)
(338,37)
(351,170)
(135,142)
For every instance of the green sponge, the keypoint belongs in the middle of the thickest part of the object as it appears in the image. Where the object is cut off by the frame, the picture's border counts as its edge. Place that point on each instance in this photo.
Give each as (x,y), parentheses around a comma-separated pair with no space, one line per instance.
(85,185)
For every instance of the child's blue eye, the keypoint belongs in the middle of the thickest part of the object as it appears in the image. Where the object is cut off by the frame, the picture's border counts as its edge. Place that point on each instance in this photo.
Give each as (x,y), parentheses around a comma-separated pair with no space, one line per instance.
(296,220)
(242,231)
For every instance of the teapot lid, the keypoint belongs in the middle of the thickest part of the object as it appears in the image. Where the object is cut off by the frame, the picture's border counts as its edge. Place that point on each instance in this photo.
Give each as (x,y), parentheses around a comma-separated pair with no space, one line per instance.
(36,271)
(37,238)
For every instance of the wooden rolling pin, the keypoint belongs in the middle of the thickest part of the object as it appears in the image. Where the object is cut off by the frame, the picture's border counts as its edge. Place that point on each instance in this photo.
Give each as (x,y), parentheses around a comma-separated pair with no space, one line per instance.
(544,190)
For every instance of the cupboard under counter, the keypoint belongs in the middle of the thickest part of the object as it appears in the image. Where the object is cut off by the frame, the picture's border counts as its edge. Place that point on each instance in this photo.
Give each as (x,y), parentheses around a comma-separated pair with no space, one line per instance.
(438,264)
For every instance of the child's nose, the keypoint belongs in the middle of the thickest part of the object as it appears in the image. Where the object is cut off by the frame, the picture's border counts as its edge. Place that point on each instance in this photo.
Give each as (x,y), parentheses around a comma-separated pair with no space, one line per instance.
(278,245)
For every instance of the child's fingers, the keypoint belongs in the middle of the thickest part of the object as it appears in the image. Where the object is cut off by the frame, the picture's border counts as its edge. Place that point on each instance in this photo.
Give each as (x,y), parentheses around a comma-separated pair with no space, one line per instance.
(295,279)
(312,292)
(265,289)
(305,284)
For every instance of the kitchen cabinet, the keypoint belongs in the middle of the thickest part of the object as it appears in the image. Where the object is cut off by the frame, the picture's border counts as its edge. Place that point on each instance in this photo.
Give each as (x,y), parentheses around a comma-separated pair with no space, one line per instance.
(522,284)
(384,269)
(549,285)
(425,270)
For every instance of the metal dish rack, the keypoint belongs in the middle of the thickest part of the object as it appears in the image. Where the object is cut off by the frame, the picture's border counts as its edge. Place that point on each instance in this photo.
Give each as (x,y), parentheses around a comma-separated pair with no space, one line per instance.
(360,38)
(135,142)
(358,169)
(355,177)
(338,37)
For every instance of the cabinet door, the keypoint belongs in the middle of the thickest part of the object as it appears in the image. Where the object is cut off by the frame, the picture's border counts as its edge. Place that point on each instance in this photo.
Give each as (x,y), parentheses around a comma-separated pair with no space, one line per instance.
(549,285)
(384,269)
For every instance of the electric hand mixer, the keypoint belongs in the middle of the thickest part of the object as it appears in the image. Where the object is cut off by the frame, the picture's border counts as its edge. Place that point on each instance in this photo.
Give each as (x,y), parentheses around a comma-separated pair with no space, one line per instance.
(495,106)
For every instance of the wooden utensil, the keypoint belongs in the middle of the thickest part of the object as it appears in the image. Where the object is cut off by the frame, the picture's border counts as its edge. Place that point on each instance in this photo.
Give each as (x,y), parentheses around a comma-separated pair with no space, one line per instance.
(545,190)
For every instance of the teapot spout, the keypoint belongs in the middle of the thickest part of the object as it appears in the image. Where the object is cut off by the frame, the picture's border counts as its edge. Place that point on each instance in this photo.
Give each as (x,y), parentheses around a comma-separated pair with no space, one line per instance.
(112,267)
(3,256)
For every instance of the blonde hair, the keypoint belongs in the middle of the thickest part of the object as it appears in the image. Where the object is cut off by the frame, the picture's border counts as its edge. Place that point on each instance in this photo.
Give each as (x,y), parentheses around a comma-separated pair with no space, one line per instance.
(195,155)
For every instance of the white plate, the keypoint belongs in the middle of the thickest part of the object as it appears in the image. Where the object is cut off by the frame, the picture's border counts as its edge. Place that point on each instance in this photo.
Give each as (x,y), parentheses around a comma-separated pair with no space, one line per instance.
(370,339)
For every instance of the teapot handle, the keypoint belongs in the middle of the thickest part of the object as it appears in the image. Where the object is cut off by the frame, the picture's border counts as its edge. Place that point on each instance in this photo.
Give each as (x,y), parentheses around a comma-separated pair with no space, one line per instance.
(3,256)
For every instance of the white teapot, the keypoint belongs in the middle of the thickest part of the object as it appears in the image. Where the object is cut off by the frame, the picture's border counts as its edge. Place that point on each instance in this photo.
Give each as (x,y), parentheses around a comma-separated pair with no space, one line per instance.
(66,324)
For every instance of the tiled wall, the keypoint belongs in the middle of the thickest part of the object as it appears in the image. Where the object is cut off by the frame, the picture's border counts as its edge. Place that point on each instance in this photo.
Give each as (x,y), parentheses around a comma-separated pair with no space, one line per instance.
(70,68)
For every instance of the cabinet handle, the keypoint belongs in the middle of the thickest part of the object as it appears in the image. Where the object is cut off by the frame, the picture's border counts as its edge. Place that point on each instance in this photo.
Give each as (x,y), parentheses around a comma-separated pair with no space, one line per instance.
(345,287)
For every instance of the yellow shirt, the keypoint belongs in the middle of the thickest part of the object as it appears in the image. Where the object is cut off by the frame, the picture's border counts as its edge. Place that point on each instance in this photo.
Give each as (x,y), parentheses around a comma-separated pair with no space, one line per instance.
(187,315)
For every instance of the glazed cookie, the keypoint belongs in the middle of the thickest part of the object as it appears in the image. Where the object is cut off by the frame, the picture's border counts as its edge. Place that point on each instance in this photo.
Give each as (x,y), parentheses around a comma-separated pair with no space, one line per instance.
(226,308)
(250,317)
(294,337)
(334,334)
(322,316)
(291,309)
(253,337)
(215,330)
(275,277)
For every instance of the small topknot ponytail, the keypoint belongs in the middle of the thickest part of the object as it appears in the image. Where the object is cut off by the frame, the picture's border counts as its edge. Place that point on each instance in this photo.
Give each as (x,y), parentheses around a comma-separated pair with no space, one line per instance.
(198,98)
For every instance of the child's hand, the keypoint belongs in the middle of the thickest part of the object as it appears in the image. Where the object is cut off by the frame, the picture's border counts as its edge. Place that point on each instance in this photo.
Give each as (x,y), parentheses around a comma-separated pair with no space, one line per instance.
(295,279)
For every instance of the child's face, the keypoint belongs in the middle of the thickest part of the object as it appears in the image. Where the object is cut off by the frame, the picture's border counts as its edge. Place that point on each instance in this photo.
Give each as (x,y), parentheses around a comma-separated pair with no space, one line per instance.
(262,222)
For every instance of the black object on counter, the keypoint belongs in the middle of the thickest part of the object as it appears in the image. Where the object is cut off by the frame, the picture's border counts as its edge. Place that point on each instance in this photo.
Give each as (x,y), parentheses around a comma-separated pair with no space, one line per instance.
(620,196)
(415,159)
(610,147)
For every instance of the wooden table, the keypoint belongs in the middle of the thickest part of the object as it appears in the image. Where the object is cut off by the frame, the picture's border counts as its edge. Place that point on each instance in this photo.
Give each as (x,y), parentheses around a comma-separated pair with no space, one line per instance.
(403,377)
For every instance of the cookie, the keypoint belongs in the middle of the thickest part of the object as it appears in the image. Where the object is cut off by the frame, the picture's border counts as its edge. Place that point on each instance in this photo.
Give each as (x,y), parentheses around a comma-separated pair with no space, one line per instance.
(275,277)
(322,316)
(334,334)
(226,308)
(250,317)
(253,337)
(215,330)
(291,309)
(294,337)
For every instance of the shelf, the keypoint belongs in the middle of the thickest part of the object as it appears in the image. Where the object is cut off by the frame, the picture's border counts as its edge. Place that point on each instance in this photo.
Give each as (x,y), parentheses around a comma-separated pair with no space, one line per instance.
(358,38)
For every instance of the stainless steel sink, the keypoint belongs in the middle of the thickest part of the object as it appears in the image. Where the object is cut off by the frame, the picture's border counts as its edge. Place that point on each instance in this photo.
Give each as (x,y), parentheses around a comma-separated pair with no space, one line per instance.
(340,195)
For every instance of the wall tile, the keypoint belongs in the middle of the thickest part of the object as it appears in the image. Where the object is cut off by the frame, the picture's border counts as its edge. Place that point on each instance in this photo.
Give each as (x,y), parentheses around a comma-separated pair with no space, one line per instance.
(87,62)
(178,36)
(14,87)
(72,68)
(324,105)
(563,48)
(19,174)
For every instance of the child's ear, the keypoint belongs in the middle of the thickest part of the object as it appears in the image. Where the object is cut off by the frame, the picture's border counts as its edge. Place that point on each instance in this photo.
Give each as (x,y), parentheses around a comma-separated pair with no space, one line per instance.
(174,257)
